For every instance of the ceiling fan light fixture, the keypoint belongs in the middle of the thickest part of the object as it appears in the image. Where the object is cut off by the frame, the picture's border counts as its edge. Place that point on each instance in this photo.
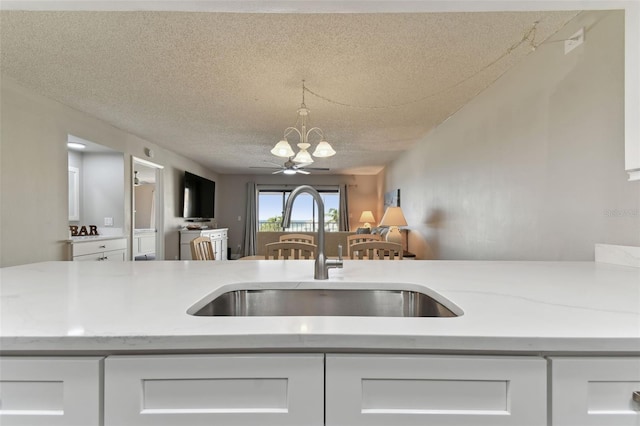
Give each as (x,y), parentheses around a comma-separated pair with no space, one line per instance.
(289,172)
(324,150)
(283,149)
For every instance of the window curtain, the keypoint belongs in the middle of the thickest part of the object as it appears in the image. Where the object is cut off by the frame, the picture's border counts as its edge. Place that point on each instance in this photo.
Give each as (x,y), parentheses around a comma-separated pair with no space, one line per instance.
(250,221)
(343,215)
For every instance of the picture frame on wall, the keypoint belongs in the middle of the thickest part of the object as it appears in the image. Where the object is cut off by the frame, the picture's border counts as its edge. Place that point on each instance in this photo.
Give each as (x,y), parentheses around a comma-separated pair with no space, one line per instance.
(392,198)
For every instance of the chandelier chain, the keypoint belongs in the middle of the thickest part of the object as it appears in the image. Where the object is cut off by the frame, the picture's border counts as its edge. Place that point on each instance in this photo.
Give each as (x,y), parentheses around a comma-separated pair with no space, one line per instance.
(529,36)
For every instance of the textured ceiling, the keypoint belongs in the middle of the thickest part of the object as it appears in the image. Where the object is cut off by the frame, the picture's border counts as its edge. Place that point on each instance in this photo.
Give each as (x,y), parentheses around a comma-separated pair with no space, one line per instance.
(220,88)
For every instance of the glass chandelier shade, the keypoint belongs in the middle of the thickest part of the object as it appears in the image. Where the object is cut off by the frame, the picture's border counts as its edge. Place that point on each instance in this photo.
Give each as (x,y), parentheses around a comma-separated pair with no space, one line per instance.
(283,148)
(324,150)
(303,155)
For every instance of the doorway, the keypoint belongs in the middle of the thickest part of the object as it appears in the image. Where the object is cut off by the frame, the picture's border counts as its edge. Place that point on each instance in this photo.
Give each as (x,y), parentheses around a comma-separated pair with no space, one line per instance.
(147,211)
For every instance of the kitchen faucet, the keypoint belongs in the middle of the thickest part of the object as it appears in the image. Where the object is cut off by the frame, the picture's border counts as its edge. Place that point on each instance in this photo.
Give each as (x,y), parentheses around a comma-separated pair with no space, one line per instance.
(322,265)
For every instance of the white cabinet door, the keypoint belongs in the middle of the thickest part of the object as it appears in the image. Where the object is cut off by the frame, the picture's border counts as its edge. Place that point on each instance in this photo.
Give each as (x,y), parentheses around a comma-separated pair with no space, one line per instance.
(115,255)
(194,390)
(370,390)
(50,391)
(595,391)
(146,243)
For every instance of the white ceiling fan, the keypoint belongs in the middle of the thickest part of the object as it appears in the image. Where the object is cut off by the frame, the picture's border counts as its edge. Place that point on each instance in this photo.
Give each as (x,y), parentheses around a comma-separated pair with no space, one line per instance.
(291,168)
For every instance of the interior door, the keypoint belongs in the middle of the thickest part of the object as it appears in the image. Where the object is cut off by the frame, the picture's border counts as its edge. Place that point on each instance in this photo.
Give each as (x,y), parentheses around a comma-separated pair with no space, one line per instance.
(147,211)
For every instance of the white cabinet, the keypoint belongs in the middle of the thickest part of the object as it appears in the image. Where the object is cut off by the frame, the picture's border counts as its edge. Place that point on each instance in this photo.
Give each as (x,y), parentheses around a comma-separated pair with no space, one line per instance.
(50,391)
(144,243)
(440,390)
(314,389)
(111,250)
(218,241)
(595,391)
(193,390)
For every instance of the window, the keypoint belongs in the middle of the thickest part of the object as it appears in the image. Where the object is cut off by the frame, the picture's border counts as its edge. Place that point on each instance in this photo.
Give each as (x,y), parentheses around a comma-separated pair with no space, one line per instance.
(304,216)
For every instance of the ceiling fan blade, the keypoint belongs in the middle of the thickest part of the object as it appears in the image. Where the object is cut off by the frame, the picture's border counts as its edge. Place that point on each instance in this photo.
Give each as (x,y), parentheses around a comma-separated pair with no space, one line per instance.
(271,168)
(304,172)
(301,165)
(317,168)
(277,172)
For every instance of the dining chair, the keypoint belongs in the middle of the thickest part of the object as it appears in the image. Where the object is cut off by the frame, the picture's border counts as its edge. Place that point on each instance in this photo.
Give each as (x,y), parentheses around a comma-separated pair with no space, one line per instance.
(302,238)
(360,238)
(290,250)
(201,249)
(373,250)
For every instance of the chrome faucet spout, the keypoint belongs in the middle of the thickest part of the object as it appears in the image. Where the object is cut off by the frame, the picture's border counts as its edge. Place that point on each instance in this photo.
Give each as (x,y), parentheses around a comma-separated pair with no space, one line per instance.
(322,265)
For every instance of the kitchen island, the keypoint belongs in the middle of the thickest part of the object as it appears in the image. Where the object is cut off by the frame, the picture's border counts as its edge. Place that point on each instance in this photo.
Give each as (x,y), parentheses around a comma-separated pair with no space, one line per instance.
(535,343)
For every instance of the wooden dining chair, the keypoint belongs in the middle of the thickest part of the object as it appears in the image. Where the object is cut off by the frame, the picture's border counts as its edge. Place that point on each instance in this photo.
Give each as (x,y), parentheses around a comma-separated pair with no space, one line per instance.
(360,238)
(290,250)
(373,250)
(201,249)
(301,238)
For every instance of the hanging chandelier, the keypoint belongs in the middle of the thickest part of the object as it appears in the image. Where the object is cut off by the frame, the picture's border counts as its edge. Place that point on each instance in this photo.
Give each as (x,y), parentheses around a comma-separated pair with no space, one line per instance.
(283,148)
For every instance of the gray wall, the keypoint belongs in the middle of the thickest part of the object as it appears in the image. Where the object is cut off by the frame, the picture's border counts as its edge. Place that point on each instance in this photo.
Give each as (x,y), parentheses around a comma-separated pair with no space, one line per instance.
(533,167)
(102,190)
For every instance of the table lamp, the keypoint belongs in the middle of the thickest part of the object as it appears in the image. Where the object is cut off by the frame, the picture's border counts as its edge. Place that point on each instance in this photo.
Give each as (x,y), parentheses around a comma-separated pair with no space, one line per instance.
(393,217)
(367,217)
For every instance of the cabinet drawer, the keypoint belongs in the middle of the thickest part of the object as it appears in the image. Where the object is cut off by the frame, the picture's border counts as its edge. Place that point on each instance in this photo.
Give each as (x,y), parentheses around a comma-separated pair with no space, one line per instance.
(88,257)
(215,233)
(595,391)
(113,255)
(50,391)
(90,247)
(424,390)
(205,390)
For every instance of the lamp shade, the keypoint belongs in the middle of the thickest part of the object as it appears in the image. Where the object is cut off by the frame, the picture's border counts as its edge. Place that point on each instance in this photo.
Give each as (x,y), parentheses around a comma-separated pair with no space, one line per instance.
(366,217)
(393,216)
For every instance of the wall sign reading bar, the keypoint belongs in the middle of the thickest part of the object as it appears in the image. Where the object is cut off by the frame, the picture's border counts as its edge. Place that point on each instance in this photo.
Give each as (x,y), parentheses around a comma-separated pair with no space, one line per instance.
(82,231)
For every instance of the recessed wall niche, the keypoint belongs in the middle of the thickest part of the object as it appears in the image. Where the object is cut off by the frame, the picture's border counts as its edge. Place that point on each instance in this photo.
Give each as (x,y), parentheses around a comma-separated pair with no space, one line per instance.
(96,186)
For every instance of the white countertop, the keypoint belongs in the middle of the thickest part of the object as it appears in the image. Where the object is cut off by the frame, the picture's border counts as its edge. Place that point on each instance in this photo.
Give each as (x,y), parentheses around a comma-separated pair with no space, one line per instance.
(521,307)
(84,239)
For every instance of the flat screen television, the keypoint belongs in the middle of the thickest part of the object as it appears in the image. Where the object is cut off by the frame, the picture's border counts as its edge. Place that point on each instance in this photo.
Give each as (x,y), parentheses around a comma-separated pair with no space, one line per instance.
(198,198)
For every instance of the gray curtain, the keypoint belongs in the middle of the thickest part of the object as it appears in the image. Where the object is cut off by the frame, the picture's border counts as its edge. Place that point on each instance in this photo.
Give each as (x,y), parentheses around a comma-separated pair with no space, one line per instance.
(250,221)
(344,209)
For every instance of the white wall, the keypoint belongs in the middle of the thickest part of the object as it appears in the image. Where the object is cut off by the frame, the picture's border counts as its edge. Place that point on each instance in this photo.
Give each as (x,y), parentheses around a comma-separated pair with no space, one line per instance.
(362,192)
(533,167)
(33,174)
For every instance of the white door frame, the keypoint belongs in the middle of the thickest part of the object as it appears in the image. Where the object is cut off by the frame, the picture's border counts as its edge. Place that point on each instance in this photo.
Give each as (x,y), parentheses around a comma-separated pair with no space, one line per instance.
(159,205)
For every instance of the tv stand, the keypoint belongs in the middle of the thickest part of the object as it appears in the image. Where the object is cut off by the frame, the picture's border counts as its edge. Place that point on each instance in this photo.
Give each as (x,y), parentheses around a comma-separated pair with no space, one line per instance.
(218,241)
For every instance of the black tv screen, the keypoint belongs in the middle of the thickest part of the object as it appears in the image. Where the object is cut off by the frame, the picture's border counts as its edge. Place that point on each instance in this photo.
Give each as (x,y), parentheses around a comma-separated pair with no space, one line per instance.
(198,197)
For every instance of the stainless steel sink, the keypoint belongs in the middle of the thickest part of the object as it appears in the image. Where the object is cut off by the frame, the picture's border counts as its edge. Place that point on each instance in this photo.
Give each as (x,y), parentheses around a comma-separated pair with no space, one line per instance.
(323,302)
